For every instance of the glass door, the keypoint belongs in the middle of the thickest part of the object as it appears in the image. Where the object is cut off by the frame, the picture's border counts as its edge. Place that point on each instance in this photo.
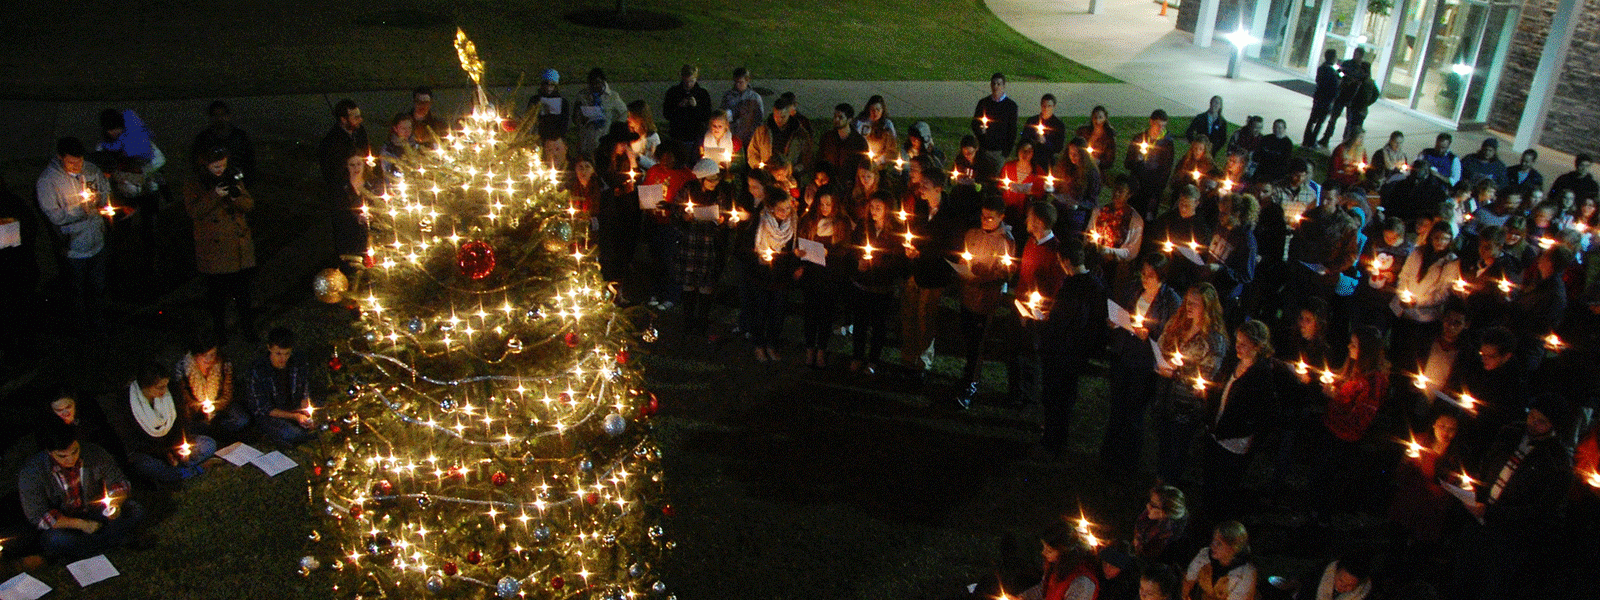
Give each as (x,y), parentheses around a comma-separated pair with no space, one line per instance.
(1407,48)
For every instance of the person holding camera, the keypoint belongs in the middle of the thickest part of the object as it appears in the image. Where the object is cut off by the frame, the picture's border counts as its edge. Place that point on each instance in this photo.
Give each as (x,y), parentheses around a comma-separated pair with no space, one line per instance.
(224,251)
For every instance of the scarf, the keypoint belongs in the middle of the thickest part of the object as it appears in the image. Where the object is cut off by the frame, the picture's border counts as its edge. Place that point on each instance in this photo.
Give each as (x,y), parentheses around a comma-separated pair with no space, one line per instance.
(157,417)
(203,386)
(774,235)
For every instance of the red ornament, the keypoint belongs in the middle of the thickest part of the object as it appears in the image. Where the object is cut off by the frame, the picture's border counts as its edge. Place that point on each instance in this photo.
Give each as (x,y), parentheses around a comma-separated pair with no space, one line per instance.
(474,557)
(316,470)
(592,498)
(335,364)
(566,397)
(557,582)
(571,339)
(499,478)
(355,510)
(383,488)
(368,260)
(475,259)
(668,510)
(508,125)
(449,569)
(650,406)
(334,428)
(622,357)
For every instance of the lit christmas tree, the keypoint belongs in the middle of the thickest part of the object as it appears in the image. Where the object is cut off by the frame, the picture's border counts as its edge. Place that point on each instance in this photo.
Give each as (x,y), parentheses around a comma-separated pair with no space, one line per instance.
(492,436)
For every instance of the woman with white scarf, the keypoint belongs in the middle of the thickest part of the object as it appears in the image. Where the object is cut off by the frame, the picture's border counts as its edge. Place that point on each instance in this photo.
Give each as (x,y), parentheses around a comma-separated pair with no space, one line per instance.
(774,268)
(155,431)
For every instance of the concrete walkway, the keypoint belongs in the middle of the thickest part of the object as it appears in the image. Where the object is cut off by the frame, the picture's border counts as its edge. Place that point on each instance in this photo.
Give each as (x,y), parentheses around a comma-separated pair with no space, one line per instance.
(1159,66)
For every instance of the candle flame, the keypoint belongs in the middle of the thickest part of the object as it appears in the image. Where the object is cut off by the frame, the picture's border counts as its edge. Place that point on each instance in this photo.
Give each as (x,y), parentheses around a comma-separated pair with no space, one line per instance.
(1506,286)
(1554,343)
(1421,381)
(1327,377)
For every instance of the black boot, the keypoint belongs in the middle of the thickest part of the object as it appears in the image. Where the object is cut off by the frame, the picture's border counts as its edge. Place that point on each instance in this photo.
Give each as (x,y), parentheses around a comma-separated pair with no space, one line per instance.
(691,313)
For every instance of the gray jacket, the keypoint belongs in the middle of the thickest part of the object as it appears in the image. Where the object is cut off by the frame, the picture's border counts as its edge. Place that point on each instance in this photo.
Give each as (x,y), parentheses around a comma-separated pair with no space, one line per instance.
(62,200)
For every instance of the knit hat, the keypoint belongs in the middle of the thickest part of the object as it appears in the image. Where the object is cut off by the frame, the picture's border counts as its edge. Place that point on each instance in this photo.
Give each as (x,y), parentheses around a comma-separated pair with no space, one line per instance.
(705,168)
(552,76)
(922,130)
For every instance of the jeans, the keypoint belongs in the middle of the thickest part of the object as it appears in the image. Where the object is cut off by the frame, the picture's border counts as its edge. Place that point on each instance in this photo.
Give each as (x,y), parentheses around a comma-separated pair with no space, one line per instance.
(156,468)
(1319,113)
(230,420)
(1058,396)
(70,545)
(88,283)
(1123,446)
(973,326)
(284,432)
(870,313)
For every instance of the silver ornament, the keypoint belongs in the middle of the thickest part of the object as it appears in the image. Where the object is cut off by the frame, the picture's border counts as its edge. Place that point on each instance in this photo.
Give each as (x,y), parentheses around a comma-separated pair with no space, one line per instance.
(636,570)
(609,539)
(564,231)
(513,344)
(541,534)
(656,532)
(424,501)
(372,336)
(414,325)
(447,404)
(435,584)
(310,563)
(650,335)
(660,587)
(507,587)
(586,465)
(615,424)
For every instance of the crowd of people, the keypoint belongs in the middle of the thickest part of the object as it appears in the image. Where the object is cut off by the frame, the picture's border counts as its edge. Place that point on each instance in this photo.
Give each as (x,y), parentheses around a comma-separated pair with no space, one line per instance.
(1414,332)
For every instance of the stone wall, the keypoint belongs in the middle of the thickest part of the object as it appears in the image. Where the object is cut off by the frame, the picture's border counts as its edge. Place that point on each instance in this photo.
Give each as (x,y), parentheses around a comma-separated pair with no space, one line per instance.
(1573,125)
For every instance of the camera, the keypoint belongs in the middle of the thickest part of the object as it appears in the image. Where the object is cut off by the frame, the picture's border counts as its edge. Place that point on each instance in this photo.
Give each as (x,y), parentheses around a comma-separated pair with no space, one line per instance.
(230,181)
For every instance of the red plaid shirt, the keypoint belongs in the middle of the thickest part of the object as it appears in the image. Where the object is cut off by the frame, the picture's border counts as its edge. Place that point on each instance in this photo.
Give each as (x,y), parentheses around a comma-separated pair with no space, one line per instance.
(71,480)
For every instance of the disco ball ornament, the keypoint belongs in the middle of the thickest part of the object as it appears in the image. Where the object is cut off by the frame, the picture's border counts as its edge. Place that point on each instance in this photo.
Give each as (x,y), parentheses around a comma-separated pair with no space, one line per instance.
(475,260)
(330,285)
(541,534)
(636,570)
(563,230)
(507,587)
(656,532)
(447,404)
(435,584)
(414,325)
(650,335)
(660,587)
(615,424)
(586,465)
(310,563)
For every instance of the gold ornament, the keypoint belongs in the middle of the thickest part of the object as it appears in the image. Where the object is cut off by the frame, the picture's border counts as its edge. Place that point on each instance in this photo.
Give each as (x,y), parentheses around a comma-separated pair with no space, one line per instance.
(330,285)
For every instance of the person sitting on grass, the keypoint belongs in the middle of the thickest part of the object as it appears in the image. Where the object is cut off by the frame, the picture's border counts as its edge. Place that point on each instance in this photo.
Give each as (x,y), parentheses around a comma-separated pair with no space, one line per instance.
(279,395)
(74,492)
(1070,566)
(1224,570)
(64,407)
(155,432)
(205,388)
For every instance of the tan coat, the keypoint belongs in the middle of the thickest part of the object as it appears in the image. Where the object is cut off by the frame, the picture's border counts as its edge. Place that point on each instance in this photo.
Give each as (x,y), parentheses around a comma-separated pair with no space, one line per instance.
(222,242)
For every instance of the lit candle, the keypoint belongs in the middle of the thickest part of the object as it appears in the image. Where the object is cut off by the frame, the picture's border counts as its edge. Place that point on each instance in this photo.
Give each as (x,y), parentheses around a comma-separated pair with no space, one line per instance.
(1194,245)
(1094,236)
(955,173)
(1326,378)
(1460,285)
(1593,479)
(1506,286)
(1421,380)
(867,254)
(1405,168)
(1177,358)
(1167,246)
(1137,319)
(1200,384)
(183,449)
(983,122)
(1089,149)
(109,211)
(689,208)
(1034,299)
(1005,259)
(966,255)
(372,160)
(1093,542)
(1546,243)
(1144,149)
(1413,449)
(1301,368)
(1227,184)
(1468,403)
(1005,184)
(1361,166)
(766,255)
(1083,524)
(1049,182)
(1466,481)
(632,175)
(1041,128)
(899,164)
(903,214)
(1196,175)
(207,407)
(1553,343)
(1407,297)
(909,237)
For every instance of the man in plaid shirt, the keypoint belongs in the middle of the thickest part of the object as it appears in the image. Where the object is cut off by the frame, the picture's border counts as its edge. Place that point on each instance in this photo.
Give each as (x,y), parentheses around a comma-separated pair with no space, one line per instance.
(76,495)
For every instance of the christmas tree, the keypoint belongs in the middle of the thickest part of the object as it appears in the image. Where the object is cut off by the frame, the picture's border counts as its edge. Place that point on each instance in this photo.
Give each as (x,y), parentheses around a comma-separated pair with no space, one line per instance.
(492,436)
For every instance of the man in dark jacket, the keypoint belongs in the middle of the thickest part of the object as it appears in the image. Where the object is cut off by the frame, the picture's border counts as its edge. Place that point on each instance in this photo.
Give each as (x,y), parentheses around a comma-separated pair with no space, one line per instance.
(279,392)
(1047,132)
(223,134)
(1485,164)
(687,107)
(1149,161)
(345,138)
(1418,195)
(994,124)
(1523,176)
(841,149)
(1579,180)
(1322,99)
(1072,330)
(935,232)
(1210,124)
(1351,73)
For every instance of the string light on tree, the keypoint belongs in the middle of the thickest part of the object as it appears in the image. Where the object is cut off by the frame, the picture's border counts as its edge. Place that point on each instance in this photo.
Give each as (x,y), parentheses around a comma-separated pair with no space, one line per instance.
(492,437)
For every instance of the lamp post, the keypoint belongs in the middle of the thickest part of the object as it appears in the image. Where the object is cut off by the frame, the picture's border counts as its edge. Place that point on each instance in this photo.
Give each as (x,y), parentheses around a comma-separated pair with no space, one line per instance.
(1240,38)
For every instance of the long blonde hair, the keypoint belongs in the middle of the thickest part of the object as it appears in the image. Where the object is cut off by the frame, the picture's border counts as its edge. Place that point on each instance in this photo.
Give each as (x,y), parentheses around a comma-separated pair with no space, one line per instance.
(1210,317)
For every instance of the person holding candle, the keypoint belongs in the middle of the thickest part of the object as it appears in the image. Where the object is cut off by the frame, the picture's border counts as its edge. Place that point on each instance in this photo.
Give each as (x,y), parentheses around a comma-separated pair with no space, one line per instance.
(1181,226)
(1425,282)
(880,264)
(1039,276)
(204,382)
(1444,358)
(1420,509)
(1380,262)
(1480,277)
(663,239)
(869,183)
(930,240)
(1224,570)
(586,190)
(1350,166)
(1541,304)
(1071,332)
(1525,475)
(1077,186)
(75,495)
(643,124)
(704,242)
(157,435)
(982,286)
(1192,345)
(1237,411)
(225,254)
(783,133)
(1390,161)
(1150,304)
(618,215)
(1021,183)
(772,270)
(345,205)
(1161,527)
(279,392)
(1323,97)
(719,143)
(994,125)
(1230,254)
(744,106)
(1046,131)
(1496,384)
(1102,138)
(1117,231)
(72,192)
(1069,566)
(1353,397)
(822,285)
(1196,164)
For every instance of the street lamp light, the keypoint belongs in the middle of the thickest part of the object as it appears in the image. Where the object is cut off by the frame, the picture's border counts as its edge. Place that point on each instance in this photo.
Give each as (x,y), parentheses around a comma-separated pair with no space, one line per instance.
(1240,39)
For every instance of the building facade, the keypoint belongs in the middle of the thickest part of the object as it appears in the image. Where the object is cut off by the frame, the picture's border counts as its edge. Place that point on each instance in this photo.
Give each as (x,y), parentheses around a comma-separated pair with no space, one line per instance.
(1468,63)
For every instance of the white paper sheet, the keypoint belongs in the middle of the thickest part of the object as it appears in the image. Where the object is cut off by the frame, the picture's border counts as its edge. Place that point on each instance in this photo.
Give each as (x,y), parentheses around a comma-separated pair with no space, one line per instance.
(963,268)
(1028,312)
(239,453)
(815,251)
(552,106)
(90,571)
(1022,188)
(1119,316)
(651,196)
(23,587)
(591,112)
(1161,359)
(1467,498)
(1190,254)
(10,233)
(274,463)
(707,212)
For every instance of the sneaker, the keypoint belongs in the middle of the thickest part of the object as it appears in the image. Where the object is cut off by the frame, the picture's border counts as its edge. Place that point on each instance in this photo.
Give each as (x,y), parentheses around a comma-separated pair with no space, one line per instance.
(667,305)
(965,396)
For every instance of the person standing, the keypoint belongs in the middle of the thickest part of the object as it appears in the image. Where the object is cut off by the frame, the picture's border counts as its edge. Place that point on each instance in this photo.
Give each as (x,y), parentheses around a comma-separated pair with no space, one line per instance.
(346,138)
(785,134)
(931,237)
(1366,95)
(841,150)
(1149,161)
(1047,132)
(598,107)
(743,105)
(1351,73)
(994,123)
(225,253)
(223,133)
(687,107)
(552,117)
(1322,98)
(1072,331)
(982,286)
(72,192)
(426,127)
(1211,125)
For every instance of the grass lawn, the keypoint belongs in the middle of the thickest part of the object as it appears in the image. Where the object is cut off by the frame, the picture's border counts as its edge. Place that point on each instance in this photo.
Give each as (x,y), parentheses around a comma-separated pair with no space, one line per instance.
(80,50)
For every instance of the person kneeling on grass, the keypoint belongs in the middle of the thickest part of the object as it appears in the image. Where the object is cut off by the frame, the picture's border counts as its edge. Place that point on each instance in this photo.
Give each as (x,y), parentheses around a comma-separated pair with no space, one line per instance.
(280,392)
(74,493)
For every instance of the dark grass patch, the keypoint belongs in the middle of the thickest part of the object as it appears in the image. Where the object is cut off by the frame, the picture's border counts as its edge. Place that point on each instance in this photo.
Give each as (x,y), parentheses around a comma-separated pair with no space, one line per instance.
(405,18)
(631,20)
